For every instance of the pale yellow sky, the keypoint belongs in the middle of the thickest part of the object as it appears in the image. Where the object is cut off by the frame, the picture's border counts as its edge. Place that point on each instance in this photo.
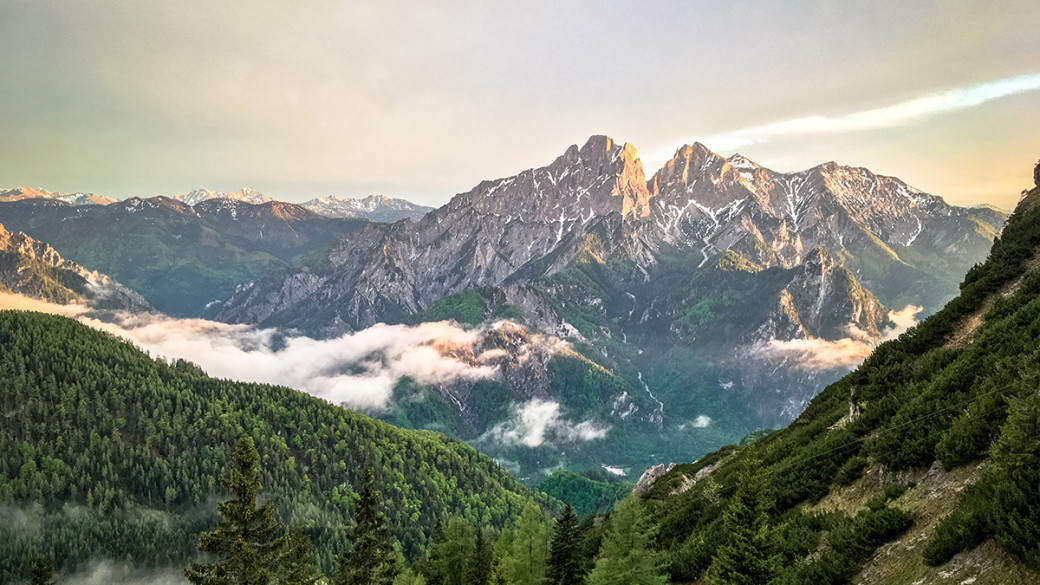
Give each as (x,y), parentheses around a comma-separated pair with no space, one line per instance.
(424,100)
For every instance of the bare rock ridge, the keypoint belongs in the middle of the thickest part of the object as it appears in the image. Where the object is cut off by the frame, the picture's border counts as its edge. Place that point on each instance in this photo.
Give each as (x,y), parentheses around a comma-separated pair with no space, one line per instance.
(480,238)
(35,269)
(511,232)
(824,301)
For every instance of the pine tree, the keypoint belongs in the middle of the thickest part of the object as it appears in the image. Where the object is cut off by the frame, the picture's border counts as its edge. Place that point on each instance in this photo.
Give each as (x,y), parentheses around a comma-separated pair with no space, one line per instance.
(42,572)
(525,562)
(626,557)
(480,565)
(565,562)
(244,543)
(296,563)
(451,554)
(500,552)
(371,559)
(744,558)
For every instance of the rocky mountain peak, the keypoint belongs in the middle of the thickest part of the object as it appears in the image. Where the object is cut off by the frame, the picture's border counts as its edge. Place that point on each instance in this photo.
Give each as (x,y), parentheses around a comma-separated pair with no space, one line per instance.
(522,228)
(245,194)
(817,262)
(35,269)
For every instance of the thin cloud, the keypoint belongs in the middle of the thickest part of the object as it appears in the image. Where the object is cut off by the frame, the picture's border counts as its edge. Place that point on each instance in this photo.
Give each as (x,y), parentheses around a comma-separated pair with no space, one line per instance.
(895,115)
(538,421)
(846,353)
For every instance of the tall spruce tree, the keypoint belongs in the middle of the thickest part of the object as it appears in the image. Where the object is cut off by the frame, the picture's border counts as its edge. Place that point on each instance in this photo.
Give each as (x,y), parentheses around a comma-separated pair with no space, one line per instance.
(626,557)
(245,544)
(565,562)
(371,559)
(744,558)
(296,564)
(479,572)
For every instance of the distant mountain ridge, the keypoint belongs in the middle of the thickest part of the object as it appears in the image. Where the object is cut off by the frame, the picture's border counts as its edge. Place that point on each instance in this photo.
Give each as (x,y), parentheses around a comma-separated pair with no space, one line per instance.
(180,257)
(21,193)
(378,208)
(246,195)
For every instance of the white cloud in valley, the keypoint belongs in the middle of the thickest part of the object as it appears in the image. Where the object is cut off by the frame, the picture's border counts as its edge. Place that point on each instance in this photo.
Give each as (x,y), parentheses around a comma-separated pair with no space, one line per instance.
(358,370)
(538,421)
(845,353)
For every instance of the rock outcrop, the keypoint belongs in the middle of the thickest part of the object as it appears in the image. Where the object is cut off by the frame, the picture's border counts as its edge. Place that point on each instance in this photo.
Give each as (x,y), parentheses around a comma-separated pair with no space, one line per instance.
(35,269)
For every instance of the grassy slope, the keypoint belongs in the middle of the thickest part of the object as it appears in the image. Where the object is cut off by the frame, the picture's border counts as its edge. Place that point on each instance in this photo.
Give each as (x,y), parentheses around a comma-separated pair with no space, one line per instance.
(933,403)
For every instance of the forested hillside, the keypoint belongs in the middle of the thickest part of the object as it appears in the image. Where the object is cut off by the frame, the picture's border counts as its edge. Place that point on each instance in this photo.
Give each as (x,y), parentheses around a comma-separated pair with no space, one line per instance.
(932,444)
(108,453)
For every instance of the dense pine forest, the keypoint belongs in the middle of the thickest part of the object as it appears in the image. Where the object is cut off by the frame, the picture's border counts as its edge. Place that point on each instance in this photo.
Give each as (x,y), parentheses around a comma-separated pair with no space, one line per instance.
(108,453)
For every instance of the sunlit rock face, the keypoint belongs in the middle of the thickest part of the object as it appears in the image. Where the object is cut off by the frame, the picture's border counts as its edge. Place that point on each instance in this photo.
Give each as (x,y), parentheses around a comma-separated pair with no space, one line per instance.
(517,228)
(514,231)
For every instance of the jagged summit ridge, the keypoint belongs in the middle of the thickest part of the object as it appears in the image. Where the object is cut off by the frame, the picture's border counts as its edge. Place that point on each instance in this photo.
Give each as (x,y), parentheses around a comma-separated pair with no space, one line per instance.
(374,207)
(245,194)
(531,222)
(22,193)
(516,230)
(703,199)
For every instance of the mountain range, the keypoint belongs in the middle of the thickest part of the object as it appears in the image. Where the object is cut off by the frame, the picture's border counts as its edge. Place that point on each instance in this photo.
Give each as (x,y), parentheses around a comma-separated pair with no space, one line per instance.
(721,294)
(594,203)
(179,257)
(662,317)
(378,208)
(36,270)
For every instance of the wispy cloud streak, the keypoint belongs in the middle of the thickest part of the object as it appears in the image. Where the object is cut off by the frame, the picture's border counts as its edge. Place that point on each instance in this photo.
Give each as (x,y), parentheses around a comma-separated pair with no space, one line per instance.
(895,115)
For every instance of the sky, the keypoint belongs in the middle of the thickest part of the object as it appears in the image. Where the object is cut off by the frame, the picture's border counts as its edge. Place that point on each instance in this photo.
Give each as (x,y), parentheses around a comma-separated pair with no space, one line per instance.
(423,100)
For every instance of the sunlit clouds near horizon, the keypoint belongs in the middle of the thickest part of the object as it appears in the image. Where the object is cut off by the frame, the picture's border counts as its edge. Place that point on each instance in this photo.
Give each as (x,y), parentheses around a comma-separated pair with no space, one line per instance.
(425,100)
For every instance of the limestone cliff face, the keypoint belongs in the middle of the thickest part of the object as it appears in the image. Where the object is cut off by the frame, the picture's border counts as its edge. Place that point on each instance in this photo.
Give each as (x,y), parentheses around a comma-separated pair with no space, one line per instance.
(530,224)
(516,231)
(702,199)
(828,301)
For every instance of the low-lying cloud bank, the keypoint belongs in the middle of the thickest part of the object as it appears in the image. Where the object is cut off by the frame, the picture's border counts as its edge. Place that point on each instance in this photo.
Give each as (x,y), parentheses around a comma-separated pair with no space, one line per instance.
(358,370)
(846,353)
